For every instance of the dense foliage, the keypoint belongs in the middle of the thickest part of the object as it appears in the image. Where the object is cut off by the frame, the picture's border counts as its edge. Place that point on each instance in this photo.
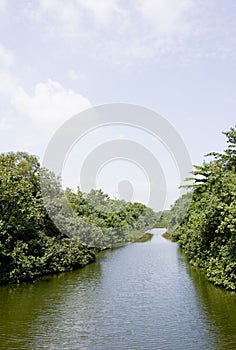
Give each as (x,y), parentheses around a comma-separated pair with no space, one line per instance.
(30,244)
(35,241)
(105,222)
(204,221)
(163,219)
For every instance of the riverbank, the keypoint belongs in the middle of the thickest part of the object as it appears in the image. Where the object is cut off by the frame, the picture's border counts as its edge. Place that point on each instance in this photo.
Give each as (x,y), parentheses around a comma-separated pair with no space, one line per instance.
(167,235)
(146,237)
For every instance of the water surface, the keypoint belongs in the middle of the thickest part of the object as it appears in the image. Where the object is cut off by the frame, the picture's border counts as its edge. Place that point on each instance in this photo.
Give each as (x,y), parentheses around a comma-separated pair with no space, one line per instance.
(141,296)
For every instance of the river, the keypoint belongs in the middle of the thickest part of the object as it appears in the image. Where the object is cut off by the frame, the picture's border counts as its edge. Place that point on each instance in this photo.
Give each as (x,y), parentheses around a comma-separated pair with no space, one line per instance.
(142,296)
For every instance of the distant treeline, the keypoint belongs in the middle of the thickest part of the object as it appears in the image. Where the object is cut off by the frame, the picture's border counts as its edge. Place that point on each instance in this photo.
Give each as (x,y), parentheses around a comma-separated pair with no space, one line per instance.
(203,221)
(45,229)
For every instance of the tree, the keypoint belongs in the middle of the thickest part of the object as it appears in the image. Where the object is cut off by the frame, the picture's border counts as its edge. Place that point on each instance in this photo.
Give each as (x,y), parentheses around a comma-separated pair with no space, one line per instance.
(30,244)
(208,232)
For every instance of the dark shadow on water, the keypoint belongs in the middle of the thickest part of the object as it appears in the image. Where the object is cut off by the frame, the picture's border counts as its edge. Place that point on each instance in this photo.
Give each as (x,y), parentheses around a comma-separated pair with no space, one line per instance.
(21,306)
(218,305)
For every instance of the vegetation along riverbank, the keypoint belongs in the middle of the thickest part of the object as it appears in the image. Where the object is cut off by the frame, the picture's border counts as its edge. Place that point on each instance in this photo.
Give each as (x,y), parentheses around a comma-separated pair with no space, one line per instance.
(31,245)
(203,221)
(60,230)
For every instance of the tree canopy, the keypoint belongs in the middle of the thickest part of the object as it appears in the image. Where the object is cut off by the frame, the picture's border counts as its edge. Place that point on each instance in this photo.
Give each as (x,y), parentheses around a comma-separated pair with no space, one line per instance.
(44,229)
(207,230)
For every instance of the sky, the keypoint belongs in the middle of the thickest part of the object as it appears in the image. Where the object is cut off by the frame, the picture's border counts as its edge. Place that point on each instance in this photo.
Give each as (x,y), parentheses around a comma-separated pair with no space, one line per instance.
(175,57)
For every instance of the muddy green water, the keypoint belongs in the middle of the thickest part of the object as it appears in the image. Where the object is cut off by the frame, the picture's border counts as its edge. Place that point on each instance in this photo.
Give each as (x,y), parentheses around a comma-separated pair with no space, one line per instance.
(142,296)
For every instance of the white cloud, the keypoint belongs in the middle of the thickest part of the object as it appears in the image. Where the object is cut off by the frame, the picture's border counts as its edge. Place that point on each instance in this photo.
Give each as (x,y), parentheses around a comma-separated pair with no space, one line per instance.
(113,30)
(46,108)
(61,17)
(166,17)
(120,31)
(49,106)
(102,11)
(6,56)
(75,19)
(75,10)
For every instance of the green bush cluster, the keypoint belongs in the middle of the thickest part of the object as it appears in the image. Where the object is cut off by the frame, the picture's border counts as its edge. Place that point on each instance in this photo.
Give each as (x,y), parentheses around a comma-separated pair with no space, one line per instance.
(105,222)
(44,229)
(30,244)
(207,230)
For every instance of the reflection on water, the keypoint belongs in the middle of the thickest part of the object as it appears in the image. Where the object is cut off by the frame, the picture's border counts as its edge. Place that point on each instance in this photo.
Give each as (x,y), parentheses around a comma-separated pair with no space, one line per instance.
(219,307)
(29,310)
(142,296)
